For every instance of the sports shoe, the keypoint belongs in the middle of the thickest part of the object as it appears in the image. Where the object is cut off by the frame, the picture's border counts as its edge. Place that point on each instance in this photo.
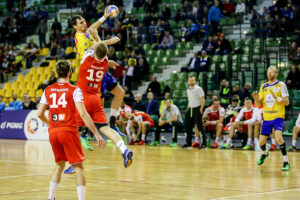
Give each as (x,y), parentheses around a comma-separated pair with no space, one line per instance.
(226,146)
(155,143)
(85,143)
(195,144)
(127,155)
(132,142)
(247,147)
(174,144)
(292,148)
(215,145)
(141,142)
(262,158)
(286,166)
(273,147)
(185,146)
(202,146)
(70,170)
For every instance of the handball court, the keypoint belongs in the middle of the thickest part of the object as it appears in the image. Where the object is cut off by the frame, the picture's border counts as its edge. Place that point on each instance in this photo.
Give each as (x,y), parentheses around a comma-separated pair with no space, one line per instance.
(156,173)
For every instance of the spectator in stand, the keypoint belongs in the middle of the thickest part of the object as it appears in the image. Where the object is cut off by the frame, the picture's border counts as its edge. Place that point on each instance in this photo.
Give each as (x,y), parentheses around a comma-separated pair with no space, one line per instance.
(224,47)
(173,120)
(2,104)
(225,94)
(138,3)
(204,62)
(166,12)
(276,23)
(236,89)
(180,14)
(167,42)
(141,36)
(285,27)
(53,51)
(124,79)
(286,12)
(193,65)
(41,31)
(204,28)
(214,17)
(255,18)
(152,106)
(296,58)
(182,33)
(147,20)
(210,45)
(138,104)
(152,32)
(128,98)
(292,80)
(240,11)
(162,102)
(15,104)
(154,87)
(51,81)
(292,50)
(228,9)
(245,92)
(145,64)
(193,32)
(56,26)
(195,11)
(31,43)
(28,104)
(131,73)
(187,9)
(29,51)
(151,6)
(133,58)
(140,70)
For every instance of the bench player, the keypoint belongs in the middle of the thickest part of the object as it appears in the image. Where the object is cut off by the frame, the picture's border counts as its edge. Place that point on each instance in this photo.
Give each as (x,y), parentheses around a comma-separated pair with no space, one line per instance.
(63,99)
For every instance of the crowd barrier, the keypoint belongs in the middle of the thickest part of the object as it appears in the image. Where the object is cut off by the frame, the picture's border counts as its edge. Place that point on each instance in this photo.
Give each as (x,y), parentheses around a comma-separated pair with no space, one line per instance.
(22,124)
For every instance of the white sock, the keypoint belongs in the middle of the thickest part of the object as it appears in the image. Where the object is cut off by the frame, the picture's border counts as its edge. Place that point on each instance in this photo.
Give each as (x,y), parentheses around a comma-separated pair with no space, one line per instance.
(120,144)
(143,137)
(294,142)
(133,135)
(113,112)
(256,141)
(229,141)
(52,189)
(217,139)
(249,142)
(285,158)
(273,141)
(197,139)
(81,192)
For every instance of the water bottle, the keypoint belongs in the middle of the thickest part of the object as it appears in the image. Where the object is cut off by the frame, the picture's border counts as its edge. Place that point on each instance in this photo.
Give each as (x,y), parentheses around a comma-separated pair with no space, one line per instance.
(208,142)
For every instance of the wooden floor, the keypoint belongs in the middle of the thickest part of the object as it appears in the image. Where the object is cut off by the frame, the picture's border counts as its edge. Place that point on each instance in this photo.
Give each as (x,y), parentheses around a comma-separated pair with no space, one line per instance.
(156,173)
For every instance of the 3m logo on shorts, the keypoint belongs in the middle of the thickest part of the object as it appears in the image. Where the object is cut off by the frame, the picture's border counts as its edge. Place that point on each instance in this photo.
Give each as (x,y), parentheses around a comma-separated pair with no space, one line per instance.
(58,117)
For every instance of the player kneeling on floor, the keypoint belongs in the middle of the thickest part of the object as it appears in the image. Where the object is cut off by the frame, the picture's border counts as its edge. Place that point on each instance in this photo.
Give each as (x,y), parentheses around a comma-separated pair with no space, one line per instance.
(141,122)
(173,120)
(213,120)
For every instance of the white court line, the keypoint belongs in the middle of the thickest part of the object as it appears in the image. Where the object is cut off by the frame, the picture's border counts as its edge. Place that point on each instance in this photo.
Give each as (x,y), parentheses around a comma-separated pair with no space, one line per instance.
(257,193)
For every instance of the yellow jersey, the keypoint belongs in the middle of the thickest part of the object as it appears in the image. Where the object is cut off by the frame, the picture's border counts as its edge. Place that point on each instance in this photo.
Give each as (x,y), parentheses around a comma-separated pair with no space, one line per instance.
(83,41)
(273,109)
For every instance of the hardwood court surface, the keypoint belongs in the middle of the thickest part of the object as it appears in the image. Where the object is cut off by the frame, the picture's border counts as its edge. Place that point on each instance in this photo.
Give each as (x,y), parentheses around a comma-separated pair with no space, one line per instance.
(156,173)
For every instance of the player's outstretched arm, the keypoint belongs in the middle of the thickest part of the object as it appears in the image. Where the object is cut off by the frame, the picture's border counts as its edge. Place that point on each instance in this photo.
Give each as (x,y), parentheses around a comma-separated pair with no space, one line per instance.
(98,23)
(41,113)
(112,64)
(258,102)
(89,123)
(94,33)
(111,41)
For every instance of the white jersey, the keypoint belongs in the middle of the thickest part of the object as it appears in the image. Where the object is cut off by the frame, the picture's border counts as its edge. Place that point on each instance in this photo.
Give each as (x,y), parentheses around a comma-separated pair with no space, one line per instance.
(298,121)
(246,114)
(257,115)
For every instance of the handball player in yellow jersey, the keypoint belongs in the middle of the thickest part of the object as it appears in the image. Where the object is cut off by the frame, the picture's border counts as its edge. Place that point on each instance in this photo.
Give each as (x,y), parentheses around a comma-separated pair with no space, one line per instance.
(273,97)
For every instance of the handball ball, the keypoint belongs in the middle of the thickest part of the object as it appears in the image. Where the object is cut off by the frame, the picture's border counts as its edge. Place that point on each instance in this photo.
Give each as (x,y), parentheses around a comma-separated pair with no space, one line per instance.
(112,10)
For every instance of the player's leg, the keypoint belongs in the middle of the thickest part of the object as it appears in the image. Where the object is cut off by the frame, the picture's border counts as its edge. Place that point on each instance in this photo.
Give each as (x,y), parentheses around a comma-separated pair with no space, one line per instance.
(273,146)
(80,180)
(219,131)
(296,131)
(145,128)
(132,127)
(248,146)
(139,131)
(196,142)
(56,177)
(84,131)
(174,133)
(114,136)
(257,127)
(234,126)
(266,130)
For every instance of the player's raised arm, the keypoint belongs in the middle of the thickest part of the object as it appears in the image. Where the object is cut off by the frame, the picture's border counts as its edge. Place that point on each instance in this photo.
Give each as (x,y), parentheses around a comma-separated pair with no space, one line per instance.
(98,23)
(257,100)
(94,33)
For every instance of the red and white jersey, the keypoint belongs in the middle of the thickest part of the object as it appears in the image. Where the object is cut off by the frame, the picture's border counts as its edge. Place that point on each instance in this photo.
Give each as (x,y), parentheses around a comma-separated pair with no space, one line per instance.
(214,115)
(298,121)
(142,117)
(246,114)
(122,111)
(91,72)
(61,98)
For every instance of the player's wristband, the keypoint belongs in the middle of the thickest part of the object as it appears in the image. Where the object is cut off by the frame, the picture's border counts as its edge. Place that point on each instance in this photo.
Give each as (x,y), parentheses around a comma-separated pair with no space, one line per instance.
(213,122)
(279,99)
(102,19)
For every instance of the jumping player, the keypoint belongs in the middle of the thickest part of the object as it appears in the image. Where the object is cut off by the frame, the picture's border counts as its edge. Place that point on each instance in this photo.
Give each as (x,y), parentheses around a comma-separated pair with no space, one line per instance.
(273,97)
(84,38)
(63,99)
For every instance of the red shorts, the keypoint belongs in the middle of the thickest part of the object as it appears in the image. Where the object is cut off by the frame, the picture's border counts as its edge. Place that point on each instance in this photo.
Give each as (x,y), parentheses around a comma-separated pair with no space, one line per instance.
(152,124)
(92,103)
(66,146)
(244,129)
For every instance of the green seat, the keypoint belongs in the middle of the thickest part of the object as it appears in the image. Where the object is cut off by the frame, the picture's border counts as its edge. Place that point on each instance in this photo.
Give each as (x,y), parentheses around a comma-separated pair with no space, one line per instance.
(119,55)
(183,103)
(134,10)
(232,21)
(166,61)
(160,53)
(189,45)
(289,132)
(178,93)
(146,47)
(296,105)
(169,52)
(154,118)
(174,76)
(154,69)
(178,52)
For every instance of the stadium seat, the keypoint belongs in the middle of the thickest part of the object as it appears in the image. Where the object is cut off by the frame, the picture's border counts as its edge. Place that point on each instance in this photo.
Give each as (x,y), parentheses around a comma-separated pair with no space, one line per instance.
(39,93)
(296,105)
(174,76)
(160,53)
(154,118)
(169,52)
(32,70)
(7,85)
(178,53)
(166,61)
(292,123)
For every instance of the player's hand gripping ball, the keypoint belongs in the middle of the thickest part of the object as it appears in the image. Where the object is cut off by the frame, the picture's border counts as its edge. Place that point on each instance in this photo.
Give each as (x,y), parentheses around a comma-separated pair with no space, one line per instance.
(112,10)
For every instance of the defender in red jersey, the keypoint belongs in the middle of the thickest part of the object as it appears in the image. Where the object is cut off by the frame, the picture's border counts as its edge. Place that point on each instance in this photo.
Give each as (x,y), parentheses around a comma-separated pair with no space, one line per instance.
(91,73)
(62,98)
(139,120)
(213,118)
(245,126)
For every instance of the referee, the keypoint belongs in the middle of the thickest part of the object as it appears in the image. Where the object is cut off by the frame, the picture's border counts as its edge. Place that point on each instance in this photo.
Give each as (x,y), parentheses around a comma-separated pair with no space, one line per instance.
(194,112)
